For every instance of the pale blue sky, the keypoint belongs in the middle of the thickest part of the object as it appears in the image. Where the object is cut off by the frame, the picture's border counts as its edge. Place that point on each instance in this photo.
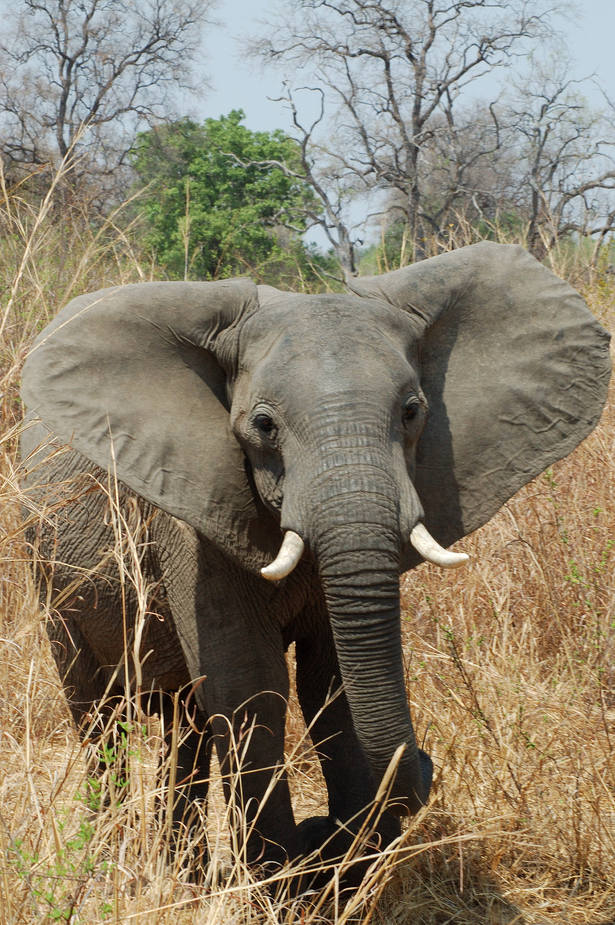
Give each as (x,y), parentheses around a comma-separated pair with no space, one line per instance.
(235,84)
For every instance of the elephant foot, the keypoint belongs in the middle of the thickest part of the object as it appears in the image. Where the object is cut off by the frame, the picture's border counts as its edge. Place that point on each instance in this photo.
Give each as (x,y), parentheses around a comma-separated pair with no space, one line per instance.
(331,843)
(314,833)
(426,771)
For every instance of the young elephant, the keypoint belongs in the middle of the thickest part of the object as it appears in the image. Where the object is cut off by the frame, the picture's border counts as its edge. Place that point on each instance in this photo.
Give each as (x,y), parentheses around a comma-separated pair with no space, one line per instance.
(327,433)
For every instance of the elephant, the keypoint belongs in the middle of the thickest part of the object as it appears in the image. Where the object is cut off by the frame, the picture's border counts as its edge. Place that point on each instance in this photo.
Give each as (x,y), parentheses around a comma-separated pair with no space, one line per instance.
(285,457)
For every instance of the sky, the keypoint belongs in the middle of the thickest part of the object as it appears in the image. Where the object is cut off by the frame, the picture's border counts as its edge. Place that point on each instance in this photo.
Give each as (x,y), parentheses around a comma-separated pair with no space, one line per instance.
(235,84)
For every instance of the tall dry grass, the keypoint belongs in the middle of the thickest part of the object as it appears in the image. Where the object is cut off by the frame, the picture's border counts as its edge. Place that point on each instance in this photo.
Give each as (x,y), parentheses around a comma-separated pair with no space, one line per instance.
(584,263)
(511,676)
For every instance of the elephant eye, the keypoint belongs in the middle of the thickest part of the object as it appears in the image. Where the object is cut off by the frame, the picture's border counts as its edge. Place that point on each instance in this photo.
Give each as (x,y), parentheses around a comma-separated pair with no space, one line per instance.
(265,424)
(411,409)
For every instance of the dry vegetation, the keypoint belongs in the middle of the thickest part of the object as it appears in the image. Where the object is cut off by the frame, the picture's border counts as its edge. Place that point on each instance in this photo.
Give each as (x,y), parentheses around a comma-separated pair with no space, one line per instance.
(511,674)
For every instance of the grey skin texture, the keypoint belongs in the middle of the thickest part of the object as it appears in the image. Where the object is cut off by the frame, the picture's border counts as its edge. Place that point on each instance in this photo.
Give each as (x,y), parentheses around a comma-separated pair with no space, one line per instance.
(229,414)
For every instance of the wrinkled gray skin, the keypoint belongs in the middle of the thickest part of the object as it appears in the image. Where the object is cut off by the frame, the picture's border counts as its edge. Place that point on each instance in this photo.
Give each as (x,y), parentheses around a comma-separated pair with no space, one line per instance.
(325,403)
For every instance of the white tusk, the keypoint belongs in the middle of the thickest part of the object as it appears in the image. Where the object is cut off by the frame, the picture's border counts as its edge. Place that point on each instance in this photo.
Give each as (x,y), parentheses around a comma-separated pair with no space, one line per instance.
(425,544)
(287,559)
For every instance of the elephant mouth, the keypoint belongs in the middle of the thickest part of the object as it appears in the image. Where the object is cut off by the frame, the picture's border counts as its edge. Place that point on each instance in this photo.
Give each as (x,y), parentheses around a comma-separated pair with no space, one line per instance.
(292,548)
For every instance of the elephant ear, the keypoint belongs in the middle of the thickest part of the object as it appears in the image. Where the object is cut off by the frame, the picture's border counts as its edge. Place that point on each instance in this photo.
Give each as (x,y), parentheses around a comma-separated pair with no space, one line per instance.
(135,378)
(515,369)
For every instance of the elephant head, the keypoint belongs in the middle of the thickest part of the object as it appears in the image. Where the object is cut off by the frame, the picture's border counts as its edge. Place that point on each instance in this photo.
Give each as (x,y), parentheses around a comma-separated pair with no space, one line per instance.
(339,427)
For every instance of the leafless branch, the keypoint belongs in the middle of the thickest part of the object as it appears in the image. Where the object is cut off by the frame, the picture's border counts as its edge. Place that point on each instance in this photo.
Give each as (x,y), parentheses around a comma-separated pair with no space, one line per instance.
(70,64)
(393,74)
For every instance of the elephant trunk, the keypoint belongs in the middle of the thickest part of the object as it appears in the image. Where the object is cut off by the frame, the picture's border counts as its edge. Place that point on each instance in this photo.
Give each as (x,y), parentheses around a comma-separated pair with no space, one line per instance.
(358,557)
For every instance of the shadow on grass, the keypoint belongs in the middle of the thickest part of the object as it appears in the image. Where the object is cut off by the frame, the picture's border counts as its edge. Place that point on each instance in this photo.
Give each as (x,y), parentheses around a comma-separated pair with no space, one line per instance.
(449,880)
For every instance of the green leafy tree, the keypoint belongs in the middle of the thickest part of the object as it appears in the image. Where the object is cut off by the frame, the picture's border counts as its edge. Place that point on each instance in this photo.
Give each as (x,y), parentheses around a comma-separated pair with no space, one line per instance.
(216,204)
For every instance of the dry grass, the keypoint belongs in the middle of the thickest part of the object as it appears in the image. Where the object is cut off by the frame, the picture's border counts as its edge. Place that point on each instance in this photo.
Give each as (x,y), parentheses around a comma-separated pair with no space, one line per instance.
(511,674)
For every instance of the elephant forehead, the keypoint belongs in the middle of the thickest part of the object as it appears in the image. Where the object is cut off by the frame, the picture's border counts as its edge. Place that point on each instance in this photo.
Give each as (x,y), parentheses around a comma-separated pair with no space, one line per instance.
(335,327)
(300,377)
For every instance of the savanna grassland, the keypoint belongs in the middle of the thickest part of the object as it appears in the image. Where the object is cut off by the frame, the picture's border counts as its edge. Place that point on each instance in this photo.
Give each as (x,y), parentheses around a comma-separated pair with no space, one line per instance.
(511,678)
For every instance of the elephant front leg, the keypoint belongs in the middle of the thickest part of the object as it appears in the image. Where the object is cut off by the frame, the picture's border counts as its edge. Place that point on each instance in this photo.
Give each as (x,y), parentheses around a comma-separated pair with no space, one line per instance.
(347,775)
(234,652)
(250,747)
(186,770)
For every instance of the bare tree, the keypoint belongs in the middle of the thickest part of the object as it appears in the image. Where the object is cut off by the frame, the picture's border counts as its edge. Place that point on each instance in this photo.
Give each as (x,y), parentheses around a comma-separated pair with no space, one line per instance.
(330,179)
(396,70)
(461,166)
(542,162)
(78,76)
(565,156)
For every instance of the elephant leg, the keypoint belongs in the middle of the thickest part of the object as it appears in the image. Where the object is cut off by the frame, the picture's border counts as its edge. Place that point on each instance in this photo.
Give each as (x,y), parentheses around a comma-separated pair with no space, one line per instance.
(250,747)
(83,681)
(186,770)
(97,711)
(234,652)
(349,782)
(247,703)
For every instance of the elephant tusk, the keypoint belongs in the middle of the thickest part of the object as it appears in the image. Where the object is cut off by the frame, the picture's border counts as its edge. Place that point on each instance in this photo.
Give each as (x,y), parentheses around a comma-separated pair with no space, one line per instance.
(425,544)
(286,560)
